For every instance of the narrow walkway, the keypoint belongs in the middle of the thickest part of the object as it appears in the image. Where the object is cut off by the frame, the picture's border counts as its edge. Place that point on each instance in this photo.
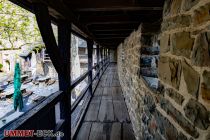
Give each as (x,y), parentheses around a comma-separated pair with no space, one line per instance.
(107,116)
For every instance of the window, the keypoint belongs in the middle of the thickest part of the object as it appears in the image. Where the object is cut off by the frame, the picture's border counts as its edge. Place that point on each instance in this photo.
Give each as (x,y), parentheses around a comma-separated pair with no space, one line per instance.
(21,42)
(79,64)
(149,60)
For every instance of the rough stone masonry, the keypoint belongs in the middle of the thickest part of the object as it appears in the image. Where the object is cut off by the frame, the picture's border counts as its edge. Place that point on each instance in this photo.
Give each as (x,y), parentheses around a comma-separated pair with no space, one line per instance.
(180,108)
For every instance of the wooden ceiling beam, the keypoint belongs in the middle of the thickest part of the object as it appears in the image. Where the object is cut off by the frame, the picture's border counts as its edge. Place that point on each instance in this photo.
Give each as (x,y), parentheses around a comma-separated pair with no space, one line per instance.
(122,8)
(111,30)
(81,4)
(88,20)
(114,26)
(111,34)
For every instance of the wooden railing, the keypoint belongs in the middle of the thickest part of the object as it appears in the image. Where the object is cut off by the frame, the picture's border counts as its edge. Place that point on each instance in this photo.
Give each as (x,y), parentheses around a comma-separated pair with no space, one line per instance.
(43,116)
(54,113)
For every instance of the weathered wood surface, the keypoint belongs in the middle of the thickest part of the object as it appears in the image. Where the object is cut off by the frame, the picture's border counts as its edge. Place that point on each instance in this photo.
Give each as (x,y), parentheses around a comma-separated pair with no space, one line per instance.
(128,132)
(107,113)
(120,111)
(92,112)
(85,130)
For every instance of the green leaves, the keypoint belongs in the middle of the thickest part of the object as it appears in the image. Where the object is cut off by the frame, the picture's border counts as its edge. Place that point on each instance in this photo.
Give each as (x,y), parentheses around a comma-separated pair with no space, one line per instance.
(1,66)
(17,26)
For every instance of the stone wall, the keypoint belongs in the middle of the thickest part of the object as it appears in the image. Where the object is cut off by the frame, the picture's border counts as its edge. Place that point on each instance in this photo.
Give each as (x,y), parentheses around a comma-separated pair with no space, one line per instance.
(180,108)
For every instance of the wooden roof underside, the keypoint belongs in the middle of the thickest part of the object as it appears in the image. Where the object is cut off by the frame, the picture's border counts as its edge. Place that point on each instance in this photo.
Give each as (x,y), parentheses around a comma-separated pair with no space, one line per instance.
(108,22)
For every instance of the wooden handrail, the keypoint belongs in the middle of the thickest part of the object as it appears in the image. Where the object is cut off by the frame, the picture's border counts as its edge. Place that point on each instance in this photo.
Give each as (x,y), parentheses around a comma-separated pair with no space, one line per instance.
(82,77)
(41,108)
(79,79)
(77,101)
(74,105)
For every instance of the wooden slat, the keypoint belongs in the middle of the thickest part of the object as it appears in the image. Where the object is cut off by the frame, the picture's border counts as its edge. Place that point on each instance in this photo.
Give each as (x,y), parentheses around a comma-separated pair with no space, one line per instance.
(115,131)
(106,97)
(120,111)
(106,91)
(115,83)
(96,99)
(84,131)
(109,106)
(92,112)
(117,93)
(99,91)
(96,132)
(105,131)
(106,113)
(128,132)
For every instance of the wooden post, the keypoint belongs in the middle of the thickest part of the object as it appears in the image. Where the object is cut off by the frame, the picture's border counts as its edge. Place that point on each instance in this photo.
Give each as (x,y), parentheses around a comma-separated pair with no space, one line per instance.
(101,50)
(105,54)
(90,64)
(98,67)
(109,55)
(59,55)
(64,44)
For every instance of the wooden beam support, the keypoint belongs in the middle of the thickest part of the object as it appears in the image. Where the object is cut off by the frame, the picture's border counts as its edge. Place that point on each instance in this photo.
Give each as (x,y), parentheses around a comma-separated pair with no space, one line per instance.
(111,4)
(64,41)
(44,23)
(97,54)
(114,26)
(90,64)
(102,57)
(123,8)
(111,30)
(119,19)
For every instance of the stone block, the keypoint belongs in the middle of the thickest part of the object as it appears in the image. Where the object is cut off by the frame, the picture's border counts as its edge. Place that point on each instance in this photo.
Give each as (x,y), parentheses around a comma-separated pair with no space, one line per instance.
(192,79)
(188,4)
(164,72)
(169,71)
(176,22)
(161,88)
(149,102)
(165,127)
(158,136)
(164,43)
(201,15)
(178,117)
(197,114)
(166,8)
(181,136)
(171,132)
(200,53)
(175,67)
(160,119)
(182,44)
(178,98)
(208,136)
(205,85)
(175,7)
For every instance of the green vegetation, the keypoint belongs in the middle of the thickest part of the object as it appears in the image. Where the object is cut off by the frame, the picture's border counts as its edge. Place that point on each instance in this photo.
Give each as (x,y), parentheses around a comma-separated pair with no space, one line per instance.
(18,26)
(1,66)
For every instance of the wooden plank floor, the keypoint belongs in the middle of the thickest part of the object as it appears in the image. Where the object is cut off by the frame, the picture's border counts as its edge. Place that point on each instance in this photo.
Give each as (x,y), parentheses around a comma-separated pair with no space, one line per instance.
(107,116)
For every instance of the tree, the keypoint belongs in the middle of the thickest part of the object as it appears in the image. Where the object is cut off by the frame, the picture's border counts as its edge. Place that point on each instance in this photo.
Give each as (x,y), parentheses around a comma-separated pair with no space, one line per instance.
(17,26)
